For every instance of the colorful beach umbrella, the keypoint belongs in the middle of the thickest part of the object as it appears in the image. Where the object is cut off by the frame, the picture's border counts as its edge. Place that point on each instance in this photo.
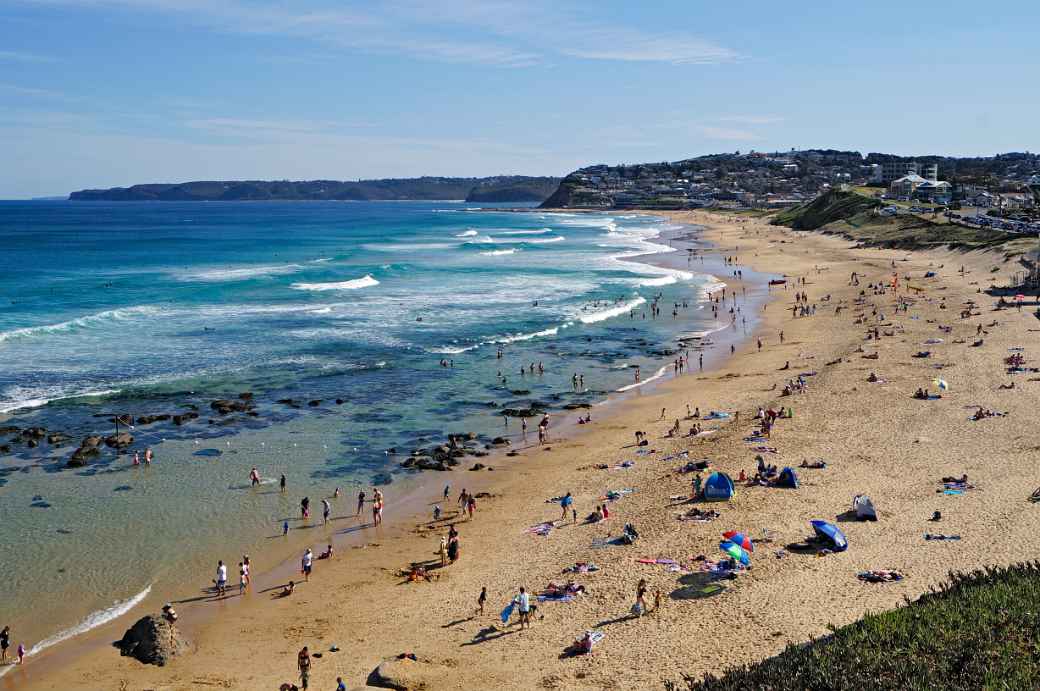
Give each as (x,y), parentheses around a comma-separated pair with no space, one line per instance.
(736,552)
(739,538)
(831,533)
(941,383)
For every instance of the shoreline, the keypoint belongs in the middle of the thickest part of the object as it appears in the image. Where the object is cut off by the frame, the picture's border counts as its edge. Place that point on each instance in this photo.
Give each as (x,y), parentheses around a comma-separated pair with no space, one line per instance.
(72,644)
(875,438)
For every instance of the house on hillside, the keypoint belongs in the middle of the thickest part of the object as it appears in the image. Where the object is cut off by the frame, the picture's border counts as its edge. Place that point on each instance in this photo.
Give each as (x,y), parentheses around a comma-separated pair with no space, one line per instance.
(938,191)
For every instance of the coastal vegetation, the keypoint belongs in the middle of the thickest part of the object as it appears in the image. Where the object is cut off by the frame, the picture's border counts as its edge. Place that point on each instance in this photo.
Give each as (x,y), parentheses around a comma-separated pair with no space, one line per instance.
(504,188)
(856,217)
(975,631)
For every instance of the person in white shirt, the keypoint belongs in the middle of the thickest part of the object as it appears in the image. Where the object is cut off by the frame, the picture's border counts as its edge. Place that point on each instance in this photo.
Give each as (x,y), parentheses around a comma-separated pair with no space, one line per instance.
(221,581)
(308,560)
(523,603)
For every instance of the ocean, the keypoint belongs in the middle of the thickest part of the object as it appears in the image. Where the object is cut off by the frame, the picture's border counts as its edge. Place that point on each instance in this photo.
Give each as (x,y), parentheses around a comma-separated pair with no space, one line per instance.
(388,325)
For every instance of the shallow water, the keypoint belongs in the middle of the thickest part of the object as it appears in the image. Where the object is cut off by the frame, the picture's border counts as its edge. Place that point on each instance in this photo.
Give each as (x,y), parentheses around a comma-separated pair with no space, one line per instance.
(148,308)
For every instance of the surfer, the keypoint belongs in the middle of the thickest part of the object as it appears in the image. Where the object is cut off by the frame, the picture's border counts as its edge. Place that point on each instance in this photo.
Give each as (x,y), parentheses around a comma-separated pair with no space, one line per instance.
(254,477)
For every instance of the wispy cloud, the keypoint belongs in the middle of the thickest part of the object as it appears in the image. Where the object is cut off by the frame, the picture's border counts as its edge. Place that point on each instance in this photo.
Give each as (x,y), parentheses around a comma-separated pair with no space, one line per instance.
(507,34)
(727,133)
(20,56)
(752,119)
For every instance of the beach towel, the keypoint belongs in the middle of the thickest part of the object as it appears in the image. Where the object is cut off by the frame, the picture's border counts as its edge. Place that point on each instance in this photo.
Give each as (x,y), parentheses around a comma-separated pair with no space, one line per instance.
(540,529)
(880,576)
(560,597)
(507,612)
(930,536)
(581,567)
(716,415)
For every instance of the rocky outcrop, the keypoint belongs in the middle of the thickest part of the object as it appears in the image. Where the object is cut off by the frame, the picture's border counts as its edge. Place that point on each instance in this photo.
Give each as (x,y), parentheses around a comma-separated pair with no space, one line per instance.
(184,417)
(34,433)
(153,641)
(224,406)
(119,441)
(149,419)
(56,438)
(89,449)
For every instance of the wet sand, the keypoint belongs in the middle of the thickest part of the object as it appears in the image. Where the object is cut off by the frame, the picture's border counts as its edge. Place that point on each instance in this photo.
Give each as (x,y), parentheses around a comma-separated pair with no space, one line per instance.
(875,438)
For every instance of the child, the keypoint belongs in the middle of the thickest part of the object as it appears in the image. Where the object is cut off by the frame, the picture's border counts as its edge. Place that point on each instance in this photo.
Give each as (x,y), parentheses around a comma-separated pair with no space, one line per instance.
(340,686)
(481,599)
(285,528)
(436,512)
(21,653)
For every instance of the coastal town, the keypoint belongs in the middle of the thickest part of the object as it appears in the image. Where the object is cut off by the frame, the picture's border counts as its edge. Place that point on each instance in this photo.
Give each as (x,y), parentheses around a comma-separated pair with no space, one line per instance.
(1004,189)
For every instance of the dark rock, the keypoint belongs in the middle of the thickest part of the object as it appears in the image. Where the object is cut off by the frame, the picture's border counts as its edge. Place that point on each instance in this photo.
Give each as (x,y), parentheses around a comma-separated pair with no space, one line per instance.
(245,396)
(576,406)
(478,466)
(408,462)
(500,441)
(80,456)
(149,419)
(56,438)
(32,443)
(119,441)
(184,417)
(224,406)
(286,401)
(520,392)
(253,413)
(34,433)
(315,403)
(153,641)
(93,441)
(5,448)
(339,401)
(8,429)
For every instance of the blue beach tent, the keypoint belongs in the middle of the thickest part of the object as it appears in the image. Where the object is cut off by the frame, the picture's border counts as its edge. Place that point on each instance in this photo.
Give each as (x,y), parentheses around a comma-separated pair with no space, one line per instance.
(719,487)
(787,479)
(828,532)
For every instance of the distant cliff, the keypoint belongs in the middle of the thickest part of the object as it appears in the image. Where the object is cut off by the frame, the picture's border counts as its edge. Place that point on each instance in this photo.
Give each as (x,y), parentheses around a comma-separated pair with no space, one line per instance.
(504,188)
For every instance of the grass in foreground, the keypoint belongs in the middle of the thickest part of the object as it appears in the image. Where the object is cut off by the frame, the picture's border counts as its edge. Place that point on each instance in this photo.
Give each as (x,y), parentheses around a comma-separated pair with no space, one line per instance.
(977,631)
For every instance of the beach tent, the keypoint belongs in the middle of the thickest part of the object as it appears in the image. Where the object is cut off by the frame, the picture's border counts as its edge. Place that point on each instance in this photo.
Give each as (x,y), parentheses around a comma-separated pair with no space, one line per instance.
(828,532)
(718,487)
(864,508)
(787,479)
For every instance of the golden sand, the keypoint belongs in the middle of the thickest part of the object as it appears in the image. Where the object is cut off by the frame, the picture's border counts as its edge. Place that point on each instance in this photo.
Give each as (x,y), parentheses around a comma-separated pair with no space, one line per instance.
(875,439)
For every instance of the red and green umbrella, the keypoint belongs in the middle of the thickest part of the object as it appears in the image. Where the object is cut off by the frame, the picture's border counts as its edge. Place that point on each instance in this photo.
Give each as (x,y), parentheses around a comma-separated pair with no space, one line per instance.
(735,551)
(739,538)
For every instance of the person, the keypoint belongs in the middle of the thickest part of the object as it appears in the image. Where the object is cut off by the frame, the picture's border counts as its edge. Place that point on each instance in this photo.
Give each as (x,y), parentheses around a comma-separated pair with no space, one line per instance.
(377,507)
(471,505)
(137,458)
(639,608)
(285,528)
(288,589)
(453,546)
(305,507)
(360,502)
(248,566)
(436,512)
(168,613)
(340,685)
(447,491)
(443,551)
(307,562)
(241,578)
(326,510)
(481,599)
(605,511)
(254,477)
(221,581)
(303,661)
(5,643)
(565,504)
(21,654)
(148,455)
(281,482)
(523,604)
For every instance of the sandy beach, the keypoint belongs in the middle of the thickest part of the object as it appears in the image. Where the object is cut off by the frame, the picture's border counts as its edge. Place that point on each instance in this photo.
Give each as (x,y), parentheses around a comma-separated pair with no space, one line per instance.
(874,437)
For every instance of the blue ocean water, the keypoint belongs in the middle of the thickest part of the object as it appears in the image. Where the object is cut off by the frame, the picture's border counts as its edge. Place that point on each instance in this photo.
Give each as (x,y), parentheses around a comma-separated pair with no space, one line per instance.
(148,308)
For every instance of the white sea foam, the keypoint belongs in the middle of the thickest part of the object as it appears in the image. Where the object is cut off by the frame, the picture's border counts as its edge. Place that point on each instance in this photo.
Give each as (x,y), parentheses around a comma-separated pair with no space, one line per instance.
(499,253)
(616,311)
(453,350)
(322,260)
(660,373)
(20,398)
(239,273)
(92,621)
(407,246)
(713,285)
(467,234)
(543,231)
(365,282)
(514,338)
(86,321)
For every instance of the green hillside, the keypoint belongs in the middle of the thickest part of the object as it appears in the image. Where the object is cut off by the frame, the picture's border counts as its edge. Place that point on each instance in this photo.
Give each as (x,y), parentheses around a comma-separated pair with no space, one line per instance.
(978,631)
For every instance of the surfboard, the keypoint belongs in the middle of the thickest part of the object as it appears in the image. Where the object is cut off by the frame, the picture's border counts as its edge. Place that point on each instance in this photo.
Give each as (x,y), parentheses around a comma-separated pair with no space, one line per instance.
(507,612)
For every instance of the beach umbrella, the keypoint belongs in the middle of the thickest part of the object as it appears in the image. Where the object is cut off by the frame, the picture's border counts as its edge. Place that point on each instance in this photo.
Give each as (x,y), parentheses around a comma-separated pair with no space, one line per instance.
(941,383)
(739,538)
(736,552)
(831,533)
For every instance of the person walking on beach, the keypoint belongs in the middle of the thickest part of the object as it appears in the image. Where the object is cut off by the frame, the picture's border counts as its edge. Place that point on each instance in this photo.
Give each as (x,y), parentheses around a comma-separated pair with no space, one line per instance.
(377,507)
(481,599)
(241,578)
(281,482)
(360,502)
(21,654)
(305,508)
(303,662)
(566,504)
(640,608)
(285,528)
(471,506)
(447,491)
(307,562)
(5,643)
(442,551)
(523,604)
(221,581)
(254,477)
(247,565)
(326,510)
(148,455)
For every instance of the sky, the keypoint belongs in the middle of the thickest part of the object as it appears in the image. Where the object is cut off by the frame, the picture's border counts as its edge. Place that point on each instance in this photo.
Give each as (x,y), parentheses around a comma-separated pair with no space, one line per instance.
(102,93)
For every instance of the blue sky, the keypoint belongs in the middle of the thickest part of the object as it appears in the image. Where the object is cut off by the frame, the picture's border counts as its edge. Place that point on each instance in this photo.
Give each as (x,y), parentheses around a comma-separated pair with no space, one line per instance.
(97,93)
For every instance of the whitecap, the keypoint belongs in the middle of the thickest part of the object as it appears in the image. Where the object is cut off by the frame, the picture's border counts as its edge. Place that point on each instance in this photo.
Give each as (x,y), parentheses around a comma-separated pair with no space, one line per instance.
(19,398)
(239,274)
(660,373)
(365,282)
(498,253)
(467,234)
(86,321)
(617,311)
(525,337)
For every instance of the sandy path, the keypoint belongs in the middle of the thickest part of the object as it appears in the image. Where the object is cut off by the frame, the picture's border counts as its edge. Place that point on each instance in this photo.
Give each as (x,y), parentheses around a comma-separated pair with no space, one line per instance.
(875,438)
